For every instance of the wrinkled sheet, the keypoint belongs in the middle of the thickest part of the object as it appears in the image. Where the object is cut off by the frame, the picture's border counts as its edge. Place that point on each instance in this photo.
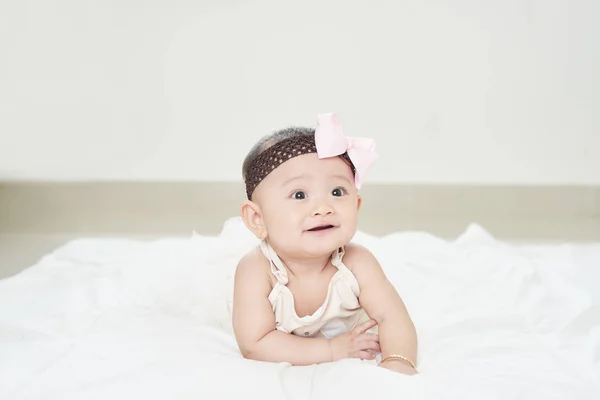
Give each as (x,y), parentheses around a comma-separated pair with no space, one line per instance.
(124,319)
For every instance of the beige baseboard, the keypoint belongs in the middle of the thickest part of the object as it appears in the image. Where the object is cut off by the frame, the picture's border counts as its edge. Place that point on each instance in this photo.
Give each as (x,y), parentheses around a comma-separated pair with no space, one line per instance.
(562,213)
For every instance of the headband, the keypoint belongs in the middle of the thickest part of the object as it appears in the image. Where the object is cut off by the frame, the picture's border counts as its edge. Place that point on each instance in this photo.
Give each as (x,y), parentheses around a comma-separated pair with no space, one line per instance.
(328,141)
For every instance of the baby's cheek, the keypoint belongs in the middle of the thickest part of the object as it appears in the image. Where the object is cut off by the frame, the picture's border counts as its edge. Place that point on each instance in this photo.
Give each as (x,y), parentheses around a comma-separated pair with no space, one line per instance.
(351,215)
(286,231)
(351,225)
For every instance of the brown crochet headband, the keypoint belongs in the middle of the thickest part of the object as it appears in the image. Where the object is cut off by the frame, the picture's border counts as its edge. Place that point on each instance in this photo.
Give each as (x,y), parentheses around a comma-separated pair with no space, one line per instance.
(276,155)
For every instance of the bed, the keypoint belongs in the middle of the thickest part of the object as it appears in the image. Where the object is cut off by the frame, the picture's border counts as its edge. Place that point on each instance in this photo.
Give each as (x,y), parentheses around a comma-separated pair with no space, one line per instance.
(123,319)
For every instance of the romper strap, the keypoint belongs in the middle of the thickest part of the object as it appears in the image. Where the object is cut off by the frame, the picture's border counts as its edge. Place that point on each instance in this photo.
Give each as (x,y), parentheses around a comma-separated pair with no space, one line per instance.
(277,268)
(336,257)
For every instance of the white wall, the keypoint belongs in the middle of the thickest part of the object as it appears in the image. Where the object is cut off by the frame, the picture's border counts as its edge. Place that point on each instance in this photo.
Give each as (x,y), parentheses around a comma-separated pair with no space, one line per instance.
(504,91)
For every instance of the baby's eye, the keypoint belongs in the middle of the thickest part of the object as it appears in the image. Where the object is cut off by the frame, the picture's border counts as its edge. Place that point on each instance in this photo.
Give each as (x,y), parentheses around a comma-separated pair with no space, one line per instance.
(338,192)
(299,195)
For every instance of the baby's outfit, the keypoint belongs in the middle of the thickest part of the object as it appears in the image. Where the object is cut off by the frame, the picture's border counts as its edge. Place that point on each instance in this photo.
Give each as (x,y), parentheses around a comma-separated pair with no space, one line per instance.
(340,312)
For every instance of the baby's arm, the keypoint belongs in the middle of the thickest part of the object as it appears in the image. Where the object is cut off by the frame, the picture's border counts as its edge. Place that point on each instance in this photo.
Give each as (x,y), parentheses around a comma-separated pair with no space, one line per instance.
(254,321)
(381,301)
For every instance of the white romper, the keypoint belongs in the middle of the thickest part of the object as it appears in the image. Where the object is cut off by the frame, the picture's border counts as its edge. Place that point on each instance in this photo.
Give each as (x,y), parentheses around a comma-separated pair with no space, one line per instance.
(340,312)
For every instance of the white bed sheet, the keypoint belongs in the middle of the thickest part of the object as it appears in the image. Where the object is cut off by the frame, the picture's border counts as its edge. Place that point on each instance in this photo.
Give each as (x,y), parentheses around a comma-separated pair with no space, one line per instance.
(114,318)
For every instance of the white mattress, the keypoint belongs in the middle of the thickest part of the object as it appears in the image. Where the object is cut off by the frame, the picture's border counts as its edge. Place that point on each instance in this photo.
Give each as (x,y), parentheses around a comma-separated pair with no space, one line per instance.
(100,319)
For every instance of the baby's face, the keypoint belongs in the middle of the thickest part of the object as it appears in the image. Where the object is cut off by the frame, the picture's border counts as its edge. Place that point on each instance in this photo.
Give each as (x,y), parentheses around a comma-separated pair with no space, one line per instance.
(309,205)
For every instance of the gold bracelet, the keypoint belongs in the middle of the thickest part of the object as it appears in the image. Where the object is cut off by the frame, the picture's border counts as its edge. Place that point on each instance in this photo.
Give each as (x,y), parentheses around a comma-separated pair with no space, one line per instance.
(398,356)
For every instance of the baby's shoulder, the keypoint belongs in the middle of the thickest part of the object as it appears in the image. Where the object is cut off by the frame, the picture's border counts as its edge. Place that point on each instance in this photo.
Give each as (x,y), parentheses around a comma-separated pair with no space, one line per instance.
(253,260)
(357,256)
(255,265)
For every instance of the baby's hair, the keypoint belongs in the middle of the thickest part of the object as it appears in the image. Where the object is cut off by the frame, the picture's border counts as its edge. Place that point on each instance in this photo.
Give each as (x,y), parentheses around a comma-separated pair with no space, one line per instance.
(268,141)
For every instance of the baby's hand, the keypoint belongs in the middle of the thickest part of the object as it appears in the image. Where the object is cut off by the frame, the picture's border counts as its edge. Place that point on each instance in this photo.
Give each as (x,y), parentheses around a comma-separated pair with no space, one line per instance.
(356,343)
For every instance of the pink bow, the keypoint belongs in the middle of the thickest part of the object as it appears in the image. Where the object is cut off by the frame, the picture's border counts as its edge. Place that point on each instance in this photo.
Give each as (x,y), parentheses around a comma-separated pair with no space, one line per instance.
(331,142)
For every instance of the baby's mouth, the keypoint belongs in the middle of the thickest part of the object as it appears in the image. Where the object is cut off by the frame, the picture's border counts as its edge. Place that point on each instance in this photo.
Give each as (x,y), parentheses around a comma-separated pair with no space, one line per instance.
(320,228)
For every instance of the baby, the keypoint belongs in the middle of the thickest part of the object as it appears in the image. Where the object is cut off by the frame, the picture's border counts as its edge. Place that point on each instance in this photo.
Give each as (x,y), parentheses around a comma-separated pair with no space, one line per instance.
(307,295)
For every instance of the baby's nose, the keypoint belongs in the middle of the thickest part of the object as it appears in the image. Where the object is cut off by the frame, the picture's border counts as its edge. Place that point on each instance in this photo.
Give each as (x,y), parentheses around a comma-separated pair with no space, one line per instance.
(322,208)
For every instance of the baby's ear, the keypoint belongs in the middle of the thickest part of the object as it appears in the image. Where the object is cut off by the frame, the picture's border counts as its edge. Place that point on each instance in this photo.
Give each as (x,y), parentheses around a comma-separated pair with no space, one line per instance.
(359,203)
(252,217)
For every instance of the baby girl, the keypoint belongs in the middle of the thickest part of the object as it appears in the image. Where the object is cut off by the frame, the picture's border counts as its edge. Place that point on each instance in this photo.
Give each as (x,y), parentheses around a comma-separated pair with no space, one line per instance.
(307,295)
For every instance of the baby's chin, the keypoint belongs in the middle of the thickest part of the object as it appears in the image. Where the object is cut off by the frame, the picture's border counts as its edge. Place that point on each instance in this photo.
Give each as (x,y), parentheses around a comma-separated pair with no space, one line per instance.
(317,253)
(324,245)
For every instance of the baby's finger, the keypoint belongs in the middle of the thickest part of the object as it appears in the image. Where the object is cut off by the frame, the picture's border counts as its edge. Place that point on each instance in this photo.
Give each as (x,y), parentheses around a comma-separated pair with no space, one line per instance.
(365,326)
(370,336)
(365,355)
(369,345)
